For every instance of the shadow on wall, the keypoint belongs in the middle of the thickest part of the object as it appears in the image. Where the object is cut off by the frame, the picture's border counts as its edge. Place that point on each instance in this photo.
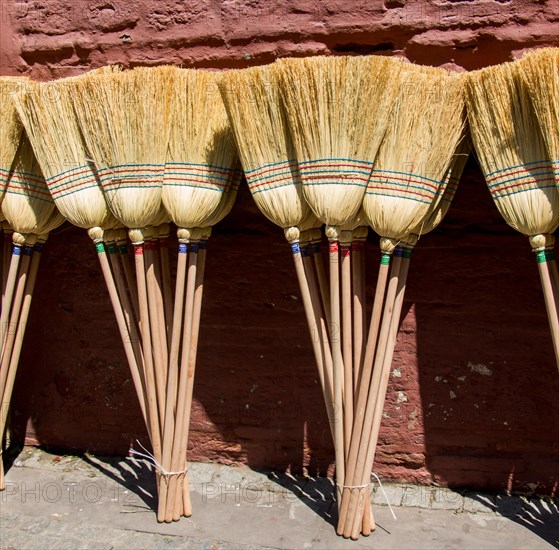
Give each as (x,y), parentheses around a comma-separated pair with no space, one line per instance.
(488,381)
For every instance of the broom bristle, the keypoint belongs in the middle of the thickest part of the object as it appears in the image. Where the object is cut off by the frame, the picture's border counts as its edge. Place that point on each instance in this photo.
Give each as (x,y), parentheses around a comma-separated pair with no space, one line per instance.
(540,72)
(442,202)
(337,110)
(511,149)
(201,148)
(27,203)
(424,129)
(123,117)
(48,115)
(253,103)
(228,196)
(10,126)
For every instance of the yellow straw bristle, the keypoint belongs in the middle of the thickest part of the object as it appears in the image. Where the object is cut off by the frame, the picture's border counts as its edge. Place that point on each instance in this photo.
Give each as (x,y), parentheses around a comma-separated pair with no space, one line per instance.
(448,188)
(540,72)
(27,203)
(10,125)
(337,108)
(253,102)
(48,115)
(123,117)
(511,149)
(425,127)
(201,148)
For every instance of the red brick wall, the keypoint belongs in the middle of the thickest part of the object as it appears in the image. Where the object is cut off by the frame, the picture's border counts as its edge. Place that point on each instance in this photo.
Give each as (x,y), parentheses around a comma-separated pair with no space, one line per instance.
(473,398)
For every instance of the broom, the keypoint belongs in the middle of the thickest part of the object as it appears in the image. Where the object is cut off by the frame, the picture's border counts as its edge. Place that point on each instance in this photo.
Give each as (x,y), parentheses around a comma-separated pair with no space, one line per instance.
(540,73)
(47,113)
(337,110)
(30,210)
(518,170)
(10,134)
(118,114)
(253,103)
(201,157)
(416,151)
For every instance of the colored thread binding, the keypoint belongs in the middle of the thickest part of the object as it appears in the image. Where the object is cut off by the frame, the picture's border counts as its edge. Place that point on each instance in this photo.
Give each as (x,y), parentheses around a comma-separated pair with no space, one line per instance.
(183,248)
(385,259)
(543,256)
(295,249)
(100,247)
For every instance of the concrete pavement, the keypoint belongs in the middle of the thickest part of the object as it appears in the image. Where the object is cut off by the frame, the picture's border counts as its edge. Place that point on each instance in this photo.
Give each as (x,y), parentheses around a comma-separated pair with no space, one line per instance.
(88,502)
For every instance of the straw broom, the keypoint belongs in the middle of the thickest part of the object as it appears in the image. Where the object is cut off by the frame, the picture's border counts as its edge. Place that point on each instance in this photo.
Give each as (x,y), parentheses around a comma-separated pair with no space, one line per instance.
(30,210)
(539,71)
(423,134)
(47,113)
(200,159)
(10,134)
(337,110)
(254,106)
(118,114)
(225,205)
(518,170)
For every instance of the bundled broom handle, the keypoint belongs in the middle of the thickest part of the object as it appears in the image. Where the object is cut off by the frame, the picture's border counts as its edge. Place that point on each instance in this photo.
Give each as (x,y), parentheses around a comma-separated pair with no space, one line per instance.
(312,306)
(196,313)
(9,290)
(335,322)
(14,316)
(173,495)
(152,410)
(370,377)
(159,361)
(364,475)
(18,341)
(135,368)
(172,381)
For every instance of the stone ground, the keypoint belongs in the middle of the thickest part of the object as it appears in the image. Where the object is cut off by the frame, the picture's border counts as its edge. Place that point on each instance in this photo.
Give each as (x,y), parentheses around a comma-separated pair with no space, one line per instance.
(72,502)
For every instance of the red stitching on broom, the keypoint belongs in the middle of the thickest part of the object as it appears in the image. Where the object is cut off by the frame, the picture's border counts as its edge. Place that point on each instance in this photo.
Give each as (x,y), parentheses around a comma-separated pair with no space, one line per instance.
(399,190)
(68,175)
(64,189)
(333,247)
(388,179)
(533,183)
(506,174)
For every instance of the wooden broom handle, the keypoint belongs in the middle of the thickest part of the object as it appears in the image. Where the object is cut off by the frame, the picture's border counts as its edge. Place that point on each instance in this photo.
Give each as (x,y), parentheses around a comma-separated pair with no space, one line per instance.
(130,321)
(365,406)
(347,345)
(550,305)
(359,311)
(9,292)
(152,410)
(14,319)
(167,287)
(130,280)
(335,335)
(176,464)
(18,343)
(125,336)
(196,315)
(365,381)
(6,257)
(365,475)
(159,362)
(322,281)
(313,313)
(172,382)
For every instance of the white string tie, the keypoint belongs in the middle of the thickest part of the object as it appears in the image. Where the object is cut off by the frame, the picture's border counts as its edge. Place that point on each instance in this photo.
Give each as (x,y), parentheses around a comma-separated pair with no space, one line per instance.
(149,457)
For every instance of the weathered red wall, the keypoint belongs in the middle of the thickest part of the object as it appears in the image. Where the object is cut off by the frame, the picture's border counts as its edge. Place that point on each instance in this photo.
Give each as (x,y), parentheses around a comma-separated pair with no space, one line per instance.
(473,399)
